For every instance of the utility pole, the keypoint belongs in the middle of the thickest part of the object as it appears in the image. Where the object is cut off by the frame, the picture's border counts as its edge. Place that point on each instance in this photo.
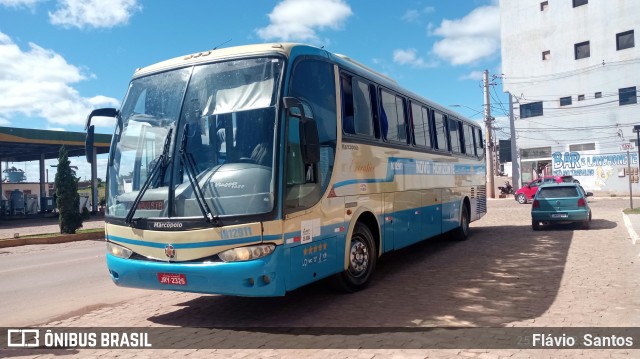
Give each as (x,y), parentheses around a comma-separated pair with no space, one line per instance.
(491,191)
(515,154)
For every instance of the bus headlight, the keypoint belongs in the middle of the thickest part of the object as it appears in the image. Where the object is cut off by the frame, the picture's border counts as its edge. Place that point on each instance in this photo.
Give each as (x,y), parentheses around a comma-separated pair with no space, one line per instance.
(242,254)
(119,251)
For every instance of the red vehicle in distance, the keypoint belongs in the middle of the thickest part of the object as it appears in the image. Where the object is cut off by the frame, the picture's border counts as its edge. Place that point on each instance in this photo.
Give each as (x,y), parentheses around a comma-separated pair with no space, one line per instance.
(526,193)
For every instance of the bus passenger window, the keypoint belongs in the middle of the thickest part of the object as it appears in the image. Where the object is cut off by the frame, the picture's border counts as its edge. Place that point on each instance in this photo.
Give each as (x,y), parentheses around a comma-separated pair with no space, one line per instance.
(454,135)
(357,118)
(479,142)
(440,131)
(468,140)
(392,108)
(363,120)
(421,133)
(348,125)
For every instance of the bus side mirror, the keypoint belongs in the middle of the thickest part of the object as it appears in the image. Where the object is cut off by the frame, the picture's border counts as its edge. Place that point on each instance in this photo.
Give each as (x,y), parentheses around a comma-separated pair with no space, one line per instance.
(102,112)
(88,144)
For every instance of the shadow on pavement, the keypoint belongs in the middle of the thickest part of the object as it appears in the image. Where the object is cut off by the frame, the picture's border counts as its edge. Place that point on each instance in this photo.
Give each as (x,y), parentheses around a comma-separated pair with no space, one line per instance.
(596,224)
(500,275)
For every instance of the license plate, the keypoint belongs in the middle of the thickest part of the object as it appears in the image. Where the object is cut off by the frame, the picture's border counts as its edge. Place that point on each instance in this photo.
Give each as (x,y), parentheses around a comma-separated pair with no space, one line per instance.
(559,215)
(172,279)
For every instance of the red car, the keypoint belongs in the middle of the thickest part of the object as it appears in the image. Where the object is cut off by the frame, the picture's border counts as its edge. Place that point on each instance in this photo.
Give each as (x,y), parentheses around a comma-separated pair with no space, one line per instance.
(529,190)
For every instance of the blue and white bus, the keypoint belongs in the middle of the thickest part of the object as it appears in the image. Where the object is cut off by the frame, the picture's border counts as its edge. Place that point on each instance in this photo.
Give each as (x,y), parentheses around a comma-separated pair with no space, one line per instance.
(255,170)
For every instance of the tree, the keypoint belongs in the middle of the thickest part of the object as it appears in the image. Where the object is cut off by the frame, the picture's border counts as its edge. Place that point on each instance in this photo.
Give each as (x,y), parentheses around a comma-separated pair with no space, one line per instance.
(68,199)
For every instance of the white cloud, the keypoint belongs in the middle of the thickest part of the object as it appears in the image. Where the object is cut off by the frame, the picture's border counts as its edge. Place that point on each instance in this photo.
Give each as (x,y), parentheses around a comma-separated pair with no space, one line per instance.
(94,13)
(4,122)
(473,75)
(414,15)
(37,83)
(471,38)
(298,20)
(19,3)
(410,57)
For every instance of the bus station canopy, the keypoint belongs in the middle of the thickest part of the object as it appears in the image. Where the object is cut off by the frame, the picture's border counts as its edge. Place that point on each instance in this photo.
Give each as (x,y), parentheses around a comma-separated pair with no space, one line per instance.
(23,144)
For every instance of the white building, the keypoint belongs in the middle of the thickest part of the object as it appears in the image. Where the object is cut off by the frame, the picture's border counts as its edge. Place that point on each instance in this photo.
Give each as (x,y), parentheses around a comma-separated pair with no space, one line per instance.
(572,68)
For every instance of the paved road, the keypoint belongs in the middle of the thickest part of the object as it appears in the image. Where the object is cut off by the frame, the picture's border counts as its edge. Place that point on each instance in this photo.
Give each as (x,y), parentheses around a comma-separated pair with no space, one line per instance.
(505,275)
(40,283)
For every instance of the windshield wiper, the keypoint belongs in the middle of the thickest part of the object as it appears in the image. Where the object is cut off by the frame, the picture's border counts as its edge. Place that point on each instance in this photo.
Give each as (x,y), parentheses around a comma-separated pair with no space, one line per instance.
(190,166)
(160,164)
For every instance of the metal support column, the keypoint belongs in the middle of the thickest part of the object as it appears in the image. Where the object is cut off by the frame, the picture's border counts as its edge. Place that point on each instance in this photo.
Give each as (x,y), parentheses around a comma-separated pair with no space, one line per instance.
(94,182)
(43,192)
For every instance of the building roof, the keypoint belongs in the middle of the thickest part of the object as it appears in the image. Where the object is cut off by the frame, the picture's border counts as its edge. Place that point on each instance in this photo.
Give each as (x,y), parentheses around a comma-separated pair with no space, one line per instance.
(24,144)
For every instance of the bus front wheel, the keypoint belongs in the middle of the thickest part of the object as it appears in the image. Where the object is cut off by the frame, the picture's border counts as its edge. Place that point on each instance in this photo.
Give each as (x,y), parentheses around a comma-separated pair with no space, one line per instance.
(362,256)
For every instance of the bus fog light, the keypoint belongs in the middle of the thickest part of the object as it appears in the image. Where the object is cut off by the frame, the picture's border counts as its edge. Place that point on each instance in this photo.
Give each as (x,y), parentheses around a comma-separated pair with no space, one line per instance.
(118,251)
(242,254)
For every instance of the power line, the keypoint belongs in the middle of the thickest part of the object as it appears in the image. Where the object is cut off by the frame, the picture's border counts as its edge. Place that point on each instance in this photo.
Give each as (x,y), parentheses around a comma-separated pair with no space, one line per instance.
(565,74)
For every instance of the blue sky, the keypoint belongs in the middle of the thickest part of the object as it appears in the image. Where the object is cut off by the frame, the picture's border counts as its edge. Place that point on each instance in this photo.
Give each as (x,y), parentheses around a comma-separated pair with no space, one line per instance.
(61,58)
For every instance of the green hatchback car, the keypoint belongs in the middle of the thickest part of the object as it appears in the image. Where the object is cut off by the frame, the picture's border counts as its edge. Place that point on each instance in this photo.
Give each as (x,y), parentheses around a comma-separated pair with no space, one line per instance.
(560,203)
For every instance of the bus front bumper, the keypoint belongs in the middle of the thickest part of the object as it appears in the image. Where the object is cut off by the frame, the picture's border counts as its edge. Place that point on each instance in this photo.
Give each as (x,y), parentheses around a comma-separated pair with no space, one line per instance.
(256,278)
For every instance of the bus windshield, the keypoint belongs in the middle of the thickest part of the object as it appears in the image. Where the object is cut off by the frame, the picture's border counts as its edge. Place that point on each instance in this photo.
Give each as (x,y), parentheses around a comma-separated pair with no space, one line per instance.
(197,141)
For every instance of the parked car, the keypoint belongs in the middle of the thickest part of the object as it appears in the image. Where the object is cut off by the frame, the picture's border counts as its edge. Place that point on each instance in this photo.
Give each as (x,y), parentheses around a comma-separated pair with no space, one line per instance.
(527,191)
(559,203)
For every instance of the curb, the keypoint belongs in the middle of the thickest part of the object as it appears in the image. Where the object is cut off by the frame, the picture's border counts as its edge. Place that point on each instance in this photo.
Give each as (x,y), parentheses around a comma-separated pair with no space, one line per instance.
(632,233)
(14,242)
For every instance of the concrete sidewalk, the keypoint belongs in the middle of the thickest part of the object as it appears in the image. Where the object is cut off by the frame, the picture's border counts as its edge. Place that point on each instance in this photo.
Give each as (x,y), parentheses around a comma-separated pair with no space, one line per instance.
(632,222)
(44,225)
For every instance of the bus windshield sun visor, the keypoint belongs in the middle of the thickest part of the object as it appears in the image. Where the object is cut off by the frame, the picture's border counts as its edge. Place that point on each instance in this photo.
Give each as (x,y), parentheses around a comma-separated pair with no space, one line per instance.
(160,165)
(189,164)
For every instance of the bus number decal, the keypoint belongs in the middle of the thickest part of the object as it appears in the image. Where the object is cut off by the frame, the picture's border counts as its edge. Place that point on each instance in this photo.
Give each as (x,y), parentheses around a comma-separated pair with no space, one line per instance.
(236,232)
(315,254)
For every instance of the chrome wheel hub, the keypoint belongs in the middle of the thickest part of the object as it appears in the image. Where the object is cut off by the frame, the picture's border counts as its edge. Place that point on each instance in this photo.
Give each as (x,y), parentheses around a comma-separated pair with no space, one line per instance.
(358,258)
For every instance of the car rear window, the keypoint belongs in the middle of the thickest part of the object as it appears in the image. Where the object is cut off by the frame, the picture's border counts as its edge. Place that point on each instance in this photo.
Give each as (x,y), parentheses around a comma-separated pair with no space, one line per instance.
(558,192)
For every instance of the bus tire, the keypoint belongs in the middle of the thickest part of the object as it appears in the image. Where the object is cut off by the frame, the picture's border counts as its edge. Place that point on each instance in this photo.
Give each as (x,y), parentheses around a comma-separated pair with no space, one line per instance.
(362,261)
(462,232)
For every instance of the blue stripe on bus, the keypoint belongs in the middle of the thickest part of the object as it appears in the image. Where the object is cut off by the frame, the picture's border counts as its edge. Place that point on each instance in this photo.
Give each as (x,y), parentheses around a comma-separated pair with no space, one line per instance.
(222,242)
(410,166)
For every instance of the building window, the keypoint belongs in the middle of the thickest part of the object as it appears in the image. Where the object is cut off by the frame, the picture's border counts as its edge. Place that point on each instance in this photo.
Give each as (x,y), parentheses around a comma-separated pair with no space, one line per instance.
(582,147)
(531,109)
(565,101)
(577,3)
(580,97)
(546,55)
(624,40)
(544,5)
(582,50)
(627,96)
(598,94)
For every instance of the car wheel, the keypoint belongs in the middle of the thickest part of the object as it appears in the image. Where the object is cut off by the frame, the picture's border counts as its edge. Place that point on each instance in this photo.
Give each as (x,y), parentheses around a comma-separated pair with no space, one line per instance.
(535,225)
(521,198)
(362,261)
(587,223)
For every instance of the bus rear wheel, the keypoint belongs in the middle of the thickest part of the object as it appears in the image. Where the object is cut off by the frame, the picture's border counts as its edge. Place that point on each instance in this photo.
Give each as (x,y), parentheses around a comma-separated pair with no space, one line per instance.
(362,256)
(462,232)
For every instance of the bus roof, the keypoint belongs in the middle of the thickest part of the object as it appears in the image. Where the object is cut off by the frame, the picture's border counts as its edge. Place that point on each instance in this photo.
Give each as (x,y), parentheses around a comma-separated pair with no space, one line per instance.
(286,49)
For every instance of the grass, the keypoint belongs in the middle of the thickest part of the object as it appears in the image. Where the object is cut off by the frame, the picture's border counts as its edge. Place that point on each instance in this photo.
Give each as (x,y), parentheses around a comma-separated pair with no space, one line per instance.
(48,235)
(632,211)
